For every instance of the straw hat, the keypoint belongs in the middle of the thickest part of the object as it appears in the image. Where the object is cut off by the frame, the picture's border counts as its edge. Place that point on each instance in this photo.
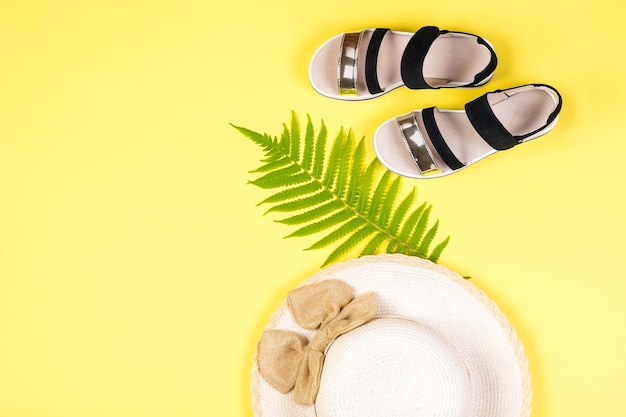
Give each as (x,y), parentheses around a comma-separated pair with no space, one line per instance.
(389,336)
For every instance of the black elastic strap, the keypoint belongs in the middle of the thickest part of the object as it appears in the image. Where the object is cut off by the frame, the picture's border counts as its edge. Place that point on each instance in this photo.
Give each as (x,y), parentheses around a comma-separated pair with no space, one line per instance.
(371,61)
(487,125)
(442,148)
(412,61)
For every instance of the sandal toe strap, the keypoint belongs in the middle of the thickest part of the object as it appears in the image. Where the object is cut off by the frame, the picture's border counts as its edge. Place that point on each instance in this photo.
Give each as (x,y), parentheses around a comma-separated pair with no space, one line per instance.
(417,146)
(371,61)
(438,141)
(347,69)
(349,57)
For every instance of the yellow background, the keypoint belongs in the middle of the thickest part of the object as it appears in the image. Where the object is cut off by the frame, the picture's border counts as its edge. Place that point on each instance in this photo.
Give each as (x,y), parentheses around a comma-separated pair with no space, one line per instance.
(136,271)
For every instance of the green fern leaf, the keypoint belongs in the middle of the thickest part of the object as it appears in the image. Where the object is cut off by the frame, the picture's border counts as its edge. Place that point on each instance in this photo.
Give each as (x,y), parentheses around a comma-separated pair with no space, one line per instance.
(345,168)
(326,223)
(334,160)
(272,165)
(378,199)
(428,239)
(342,231)
(420,227)
(364,194)
(400,212)
(295,138)
(320,152)
(314,214)
(373,245)
(309,144)
(358,161)
(276,178)
(350,243)
(409,225)
(293,193)
(392,246)
(263,140)
(338,196)
(436,253)
(285,141)
(303,203)
(390,196)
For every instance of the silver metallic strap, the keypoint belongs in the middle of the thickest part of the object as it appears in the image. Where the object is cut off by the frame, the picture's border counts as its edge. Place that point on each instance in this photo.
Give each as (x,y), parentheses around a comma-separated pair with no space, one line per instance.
(347,63)
(417,145)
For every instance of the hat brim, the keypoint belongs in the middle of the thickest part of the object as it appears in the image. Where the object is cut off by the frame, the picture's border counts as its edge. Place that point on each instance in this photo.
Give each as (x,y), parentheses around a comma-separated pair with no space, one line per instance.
(422,292)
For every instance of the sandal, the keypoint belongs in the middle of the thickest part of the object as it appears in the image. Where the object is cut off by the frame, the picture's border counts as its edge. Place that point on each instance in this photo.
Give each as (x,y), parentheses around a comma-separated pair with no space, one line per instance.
(431,143)
(368,64)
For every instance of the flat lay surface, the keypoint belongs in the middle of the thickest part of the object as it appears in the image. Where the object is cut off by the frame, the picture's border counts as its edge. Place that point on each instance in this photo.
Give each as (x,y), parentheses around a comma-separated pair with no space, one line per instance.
(137,269)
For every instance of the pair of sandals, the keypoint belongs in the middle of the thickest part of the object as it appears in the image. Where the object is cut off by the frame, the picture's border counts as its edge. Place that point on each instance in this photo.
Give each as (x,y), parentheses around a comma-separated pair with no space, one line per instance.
(430,143)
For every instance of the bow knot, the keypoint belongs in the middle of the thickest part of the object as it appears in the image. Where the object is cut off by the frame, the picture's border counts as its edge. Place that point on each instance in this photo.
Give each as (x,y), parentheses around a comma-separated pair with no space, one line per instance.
(289,361)
(320,341)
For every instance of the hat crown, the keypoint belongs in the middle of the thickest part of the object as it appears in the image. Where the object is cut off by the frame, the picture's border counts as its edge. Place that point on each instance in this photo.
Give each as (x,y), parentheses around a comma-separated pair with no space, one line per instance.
(396,368)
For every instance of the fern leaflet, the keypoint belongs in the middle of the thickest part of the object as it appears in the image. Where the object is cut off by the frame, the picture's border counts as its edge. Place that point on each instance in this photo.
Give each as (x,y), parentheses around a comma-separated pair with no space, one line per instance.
(340,196)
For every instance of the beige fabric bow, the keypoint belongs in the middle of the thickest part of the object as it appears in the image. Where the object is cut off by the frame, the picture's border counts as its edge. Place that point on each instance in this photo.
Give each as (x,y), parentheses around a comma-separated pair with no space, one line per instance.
(287,360)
